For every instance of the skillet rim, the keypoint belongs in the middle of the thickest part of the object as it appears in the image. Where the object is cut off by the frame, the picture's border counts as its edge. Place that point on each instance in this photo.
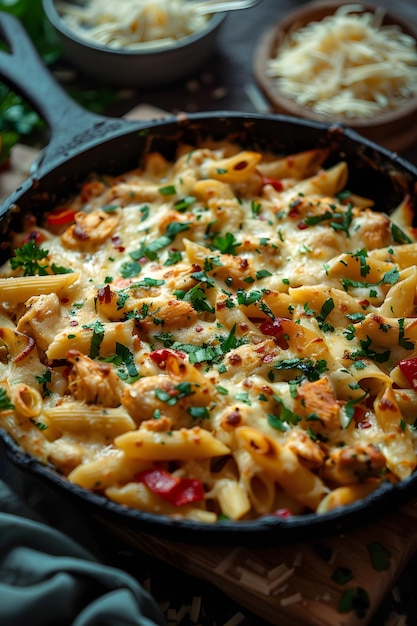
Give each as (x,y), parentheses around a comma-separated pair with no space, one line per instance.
(268,529)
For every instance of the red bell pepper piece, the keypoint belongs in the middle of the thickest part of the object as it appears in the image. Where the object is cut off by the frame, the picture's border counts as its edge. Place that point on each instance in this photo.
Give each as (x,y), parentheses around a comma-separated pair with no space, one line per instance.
(274,182)
(275,328)
(272,327)
(409,368)
(177,491)
(282,513)
(61,216)
(160,356)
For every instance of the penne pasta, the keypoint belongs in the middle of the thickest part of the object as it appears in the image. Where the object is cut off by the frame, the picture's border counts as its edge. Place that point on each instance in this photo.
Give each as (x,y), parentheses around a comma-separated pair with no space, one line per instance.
(225,334)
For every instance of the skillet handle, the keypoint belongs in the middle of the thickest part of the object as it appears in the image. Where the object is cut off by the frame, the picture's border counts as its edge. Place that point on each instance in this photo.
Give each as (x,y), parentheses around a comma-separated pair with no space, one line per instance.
(71,127)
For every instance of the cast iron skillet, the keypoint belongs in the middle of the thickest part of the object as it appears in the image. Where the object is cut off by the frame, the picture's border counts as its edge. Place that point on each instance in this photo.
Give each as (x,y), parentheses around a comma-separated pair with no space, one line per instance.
(81,142)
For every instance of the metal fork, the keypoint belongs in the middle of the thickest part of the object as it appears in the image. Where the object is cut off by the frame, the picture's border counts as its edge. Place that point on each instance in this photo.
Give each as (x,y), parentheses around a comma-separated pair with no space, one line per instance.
(202,7)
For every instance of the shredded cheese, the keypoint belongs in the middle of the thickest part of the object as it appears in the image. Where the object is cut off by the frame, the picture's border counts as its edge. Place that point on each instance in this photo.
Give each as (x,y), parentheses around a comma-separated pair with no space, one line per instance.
(347,64)
(130,24)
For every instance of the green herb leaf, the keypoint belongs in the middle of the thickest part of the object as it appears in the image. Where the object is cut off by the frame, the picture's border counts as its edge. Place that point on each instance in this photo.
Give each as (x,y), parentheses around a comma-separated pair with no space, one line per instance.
(342,575)
(27,257)
(380,556)
(168,190)
(226,244)
(96,340)
(399,235)
(355,599)
(5,402)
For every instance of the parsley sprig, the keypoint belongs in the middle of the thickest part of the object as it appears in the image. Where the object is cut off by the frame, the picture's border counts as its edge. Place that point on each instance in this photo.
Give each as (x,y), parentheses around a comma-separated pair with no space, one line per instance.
(27,259)
(5,402)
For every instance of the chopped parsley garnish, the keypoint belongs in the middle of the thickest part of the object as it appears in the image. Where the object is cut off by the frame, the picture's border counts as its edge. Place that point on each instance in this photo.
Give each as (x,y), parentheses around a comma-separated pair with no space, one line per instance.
(286,416)
(148,282)
(150,249)
(399,235)
(342,575)
(326,309)
(344,219)
(380,556)
(312,370)
(199,412)
(5,402)
(168,190)
(130,269)
(182,390)
(246,298)
(355,599)
(196,297)
(167,339)
(97,338)
(362,256)
(43,380)
(144,211)
(312,220)
(174,257)
(263,274)
(59,269)
(226,244)
(403,341)
(27,257)
(125,363)
(390,278)
(184,203)
(366,351)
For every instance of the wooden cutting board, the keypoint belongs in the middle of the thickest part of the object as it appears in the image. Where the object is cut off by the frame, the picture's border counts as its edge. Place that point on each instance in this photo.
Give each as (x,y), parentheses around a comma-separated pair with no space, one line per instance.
(302,584)
(331,582)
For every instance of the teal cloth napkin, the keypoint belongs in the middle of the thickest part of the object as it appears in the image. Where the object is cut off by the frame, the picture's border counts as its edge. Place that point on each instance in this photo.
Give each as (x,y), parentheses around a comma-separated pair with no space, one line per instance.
(49,579)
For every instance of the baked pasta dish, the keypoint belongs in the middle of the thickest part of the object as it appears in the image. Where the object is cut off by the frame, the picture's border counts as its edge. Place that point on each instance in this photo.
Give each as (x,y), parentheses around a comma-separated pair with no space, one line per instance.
(226,336)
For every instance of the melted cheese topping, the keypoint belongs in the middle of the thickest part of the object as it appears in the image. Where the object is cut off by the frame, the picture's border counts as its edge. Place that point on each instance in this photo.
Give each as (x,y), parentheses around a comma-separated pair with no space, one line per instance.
(226,335)
(130,24)
(347,65)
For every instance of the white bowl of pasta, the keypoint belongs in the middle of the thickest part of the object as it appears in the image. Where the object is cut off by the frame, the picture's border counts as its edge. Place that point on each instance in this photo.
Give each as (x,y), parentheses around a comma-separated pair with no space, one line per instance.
(208,326)
(356,64)
(134,44)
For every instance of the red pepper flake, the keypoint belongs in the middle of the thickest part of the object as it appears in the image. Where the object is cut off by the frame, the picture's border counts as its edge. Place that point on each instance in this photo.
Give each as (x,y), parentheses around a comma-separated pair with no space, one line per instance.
(199,328)
(302,226)
(104,294)
(240,166)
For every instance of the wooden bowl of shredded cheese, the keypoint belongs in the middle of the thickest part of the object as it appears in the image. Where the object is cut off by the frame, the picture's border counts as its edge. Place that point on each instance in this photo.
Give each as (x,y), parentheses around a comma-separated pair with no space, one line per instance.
(134,44)
(354,64)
